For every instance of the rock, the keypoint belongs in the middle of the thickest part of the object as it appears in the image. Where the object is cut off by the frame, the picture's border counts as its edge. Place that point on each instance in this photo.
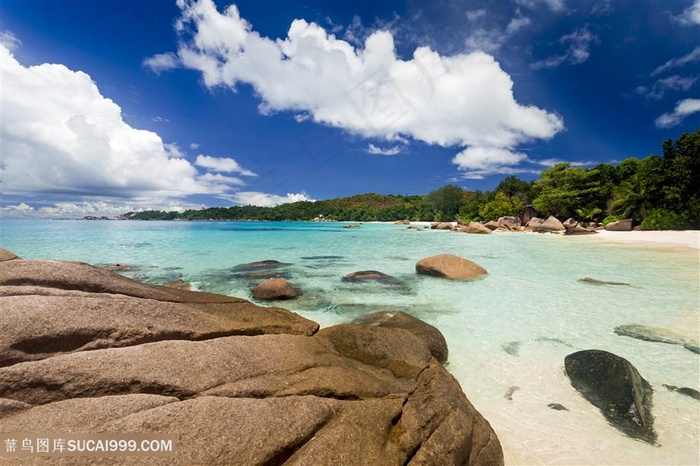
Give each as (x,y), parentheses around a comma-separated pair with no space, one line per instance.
(529,212)
(512,223)
(369,275)
(593,281)
(441,226)
(6,255)
(476,227)
(259,265)
(430,335)
(509,394)
(402,222)
(557,407)
(415,228)
(534,222)
(177,363)
(549,225)
(275,289)
(179,284)
(684,391)
(491,225)
(614,386)
(569,223)
(511,347)
(654,334)
(450,266)
(621,225)
(580,230)
(693,348)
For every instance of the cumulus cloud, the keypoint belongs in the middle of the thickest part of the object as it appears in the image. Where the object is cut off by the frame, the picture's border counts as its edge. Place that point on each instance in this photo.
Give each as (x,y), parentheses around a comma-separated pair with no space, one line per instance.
(692,57)
(459,101)
(221,164)
(9,40)
(579,44)
(683,109)
(691,15)
(478,162)
(61,136)
(558,6)
(372,149)
(92,208)
(265,199)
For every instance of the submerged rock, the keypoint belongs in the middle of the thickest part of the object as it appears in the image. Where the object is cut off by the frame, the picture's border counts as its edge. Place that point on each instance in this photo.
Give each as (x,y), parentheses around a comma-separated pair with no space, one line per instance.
(511,347)
(259,265)
(179,283)
(450,266)
(654,334)
(509,394)
(613,385)
(691,392)
(430,335)
(369,275)
(557,407)
(275,289)
(86,350)
(593,281)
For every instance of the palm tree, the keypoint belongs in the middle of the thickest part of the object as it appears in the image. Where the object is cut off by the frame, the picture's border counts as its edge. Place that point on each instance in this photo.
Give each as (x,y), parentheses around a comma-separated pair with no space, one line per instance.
(631,199)
(588,213)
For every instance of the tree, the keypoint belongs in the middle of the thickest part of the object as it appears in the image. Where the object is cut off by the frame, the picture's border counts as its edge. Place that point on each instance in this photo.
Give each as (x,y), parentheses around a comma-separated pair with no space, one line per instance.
(512,186)
(501,206)
(446,201)
(631,199)
(563,189)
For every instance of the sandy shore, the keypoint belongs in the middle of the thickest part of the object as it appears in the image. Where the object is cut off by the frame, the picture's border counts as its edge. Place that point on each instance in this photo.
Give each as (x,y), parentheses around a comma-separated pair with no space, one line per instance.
(688,239)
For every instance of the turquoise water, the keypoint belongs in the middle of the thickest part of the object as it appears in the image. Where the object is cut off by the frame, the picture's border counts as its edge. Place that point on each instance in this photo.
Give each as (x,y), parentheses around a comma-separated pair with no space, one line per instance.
(531,303)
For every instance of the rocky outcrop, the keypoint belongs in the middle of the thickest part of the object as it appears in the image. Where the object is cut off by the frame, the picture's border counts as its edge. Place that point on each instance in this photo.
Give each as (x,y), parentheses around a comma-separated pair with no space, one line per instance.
(529,212)
(275,289)
(552,224)
(430,335)
(614,386)
(579,229)
(450,266)
(6,255)
(511,223)
(491,225)
(85,350)
(441,226)
(402,222)
(593,281)
(475,227)
(620,225)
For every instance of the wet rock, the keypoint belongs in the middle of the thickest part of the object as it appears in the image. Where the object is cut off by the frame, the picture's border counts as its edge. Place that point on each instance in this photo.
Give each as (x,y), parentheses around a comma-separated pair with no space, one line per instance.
(323,258)
(557,407)
(352,394)
(441,226)
(6,255)
(369,275)
(350,226)
(614,386)
(654,334)
(621,225)
(415,228)
(179,284)
(593,281)
(692,348)
(450,266)
(259,265)
(430,335)
(275,289)
(684,391)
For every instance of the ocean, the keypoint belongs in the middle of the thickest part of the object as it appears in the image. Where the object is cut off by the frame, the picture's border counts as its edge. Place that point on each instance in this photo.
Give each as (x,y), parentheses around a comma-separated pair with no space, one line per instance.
(508,333)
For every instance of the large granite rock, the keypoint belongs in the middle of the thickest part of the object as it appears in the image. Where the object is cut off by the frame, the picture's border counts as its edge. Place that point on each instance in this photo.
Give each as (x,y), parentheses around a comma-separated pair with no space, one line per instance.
(620,225)
(475,227)
(614,386)
(430,335)
(529,212)
(275,289)
(552,224)
(6,255)
(369,275)
(441,226)
(232,383)
(450,266)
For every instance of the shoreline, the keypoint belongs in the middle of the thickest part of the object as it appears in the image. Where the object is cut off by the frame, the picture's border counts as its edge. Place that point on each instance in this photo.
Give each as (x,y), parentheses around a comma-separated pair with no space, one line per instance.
(682,241)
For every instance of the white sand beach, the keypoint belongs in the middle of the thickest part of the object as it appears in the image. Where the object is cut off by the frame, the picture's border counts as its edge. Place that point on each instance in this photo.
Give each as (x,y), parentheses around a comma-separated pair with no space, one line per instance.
(687,239)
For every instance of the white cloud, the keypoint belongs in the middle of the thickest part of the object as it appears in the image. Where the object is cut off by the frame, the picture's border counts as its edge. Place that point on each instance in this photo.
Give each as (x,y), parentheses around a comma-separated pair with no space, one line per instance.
(577,52)
(474,15)
(491,40)
(221,164)
(676,62)
(372,149)
(691,15)
(266,200)
(558,6)
(218,178)
(9,40)
(92,208)
(195,146)
(459,101)
(477,162)
(683,109)
(161,62)
(61,136)
(670,83)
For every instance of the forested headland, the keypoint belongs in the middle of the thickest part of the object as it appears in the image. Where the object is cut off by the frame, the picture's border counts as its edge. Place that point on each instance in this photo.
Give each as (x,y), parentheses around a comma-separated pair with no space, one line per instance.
(657,192)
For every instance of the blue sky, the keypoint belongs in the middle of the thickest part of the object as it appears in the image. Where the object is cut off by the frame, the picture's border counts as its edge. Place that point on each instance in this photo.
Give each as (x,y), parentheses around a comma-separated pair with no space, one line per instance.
(112,106)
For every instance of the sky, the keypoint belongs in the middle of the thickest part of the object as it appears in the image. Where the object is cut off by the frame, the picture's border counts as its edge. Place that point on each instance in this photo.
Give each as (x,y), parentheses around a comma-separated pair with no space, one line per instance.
(115,106)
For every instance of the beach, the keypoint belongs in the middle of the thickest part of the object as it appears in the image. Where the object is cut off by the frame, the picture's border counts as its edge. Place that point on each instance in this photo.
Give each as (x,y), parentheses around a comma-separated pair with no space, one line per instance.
(688,240)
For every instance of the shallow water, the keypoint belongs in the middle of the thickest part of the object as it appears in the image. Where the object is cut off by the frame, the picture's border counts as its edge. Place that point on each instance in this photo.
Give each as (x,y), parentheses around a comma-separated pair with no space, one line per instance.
(510,329)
